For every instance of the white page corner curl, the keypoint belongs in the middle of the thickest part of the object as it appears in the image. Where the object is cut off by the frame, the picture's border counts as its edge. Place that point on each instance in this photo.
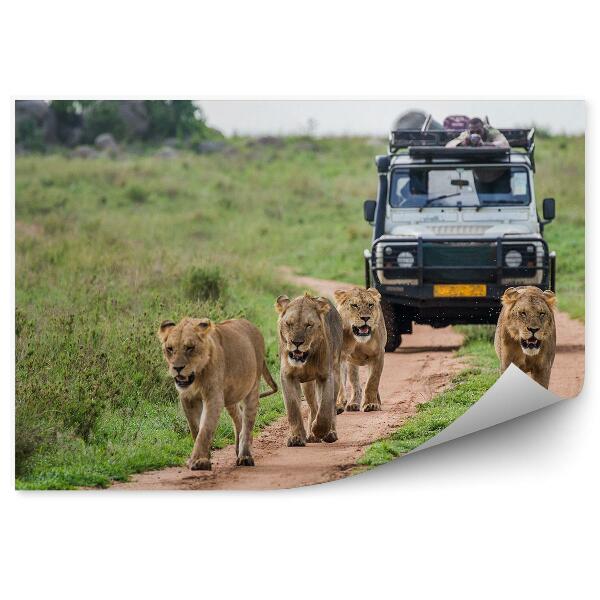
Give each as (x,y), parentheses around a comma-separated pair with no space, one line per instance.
(513,395)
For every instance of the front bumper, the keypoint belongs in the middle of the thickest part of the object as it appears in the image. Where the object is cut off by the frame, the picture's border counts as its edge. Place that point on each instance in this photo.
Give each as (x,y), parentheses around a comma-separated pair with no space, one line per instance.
(413,267)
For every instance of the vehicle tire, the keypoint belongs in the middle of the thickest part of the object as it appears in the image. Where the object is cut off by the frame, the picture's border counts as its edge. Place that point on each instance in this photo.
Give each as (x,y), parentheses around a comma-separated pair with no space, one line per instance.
(394,338)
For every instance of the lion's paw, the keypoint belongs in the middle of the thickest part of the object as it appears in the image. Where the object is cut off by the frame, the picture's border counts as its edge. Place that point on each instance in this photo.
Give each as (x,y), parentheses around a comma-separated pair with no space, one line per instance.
(371,406)
(245,461)
(295,440)
(352,407)
(330,437)
(200,464)
(339,409)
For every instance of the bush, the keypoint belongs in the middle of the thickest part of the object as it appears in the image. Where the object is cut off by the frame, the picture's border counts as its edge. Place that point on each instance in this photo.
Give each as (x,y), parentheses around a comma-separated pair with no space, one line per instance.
(204,283)
(137,194)
(102,117)
(29,136)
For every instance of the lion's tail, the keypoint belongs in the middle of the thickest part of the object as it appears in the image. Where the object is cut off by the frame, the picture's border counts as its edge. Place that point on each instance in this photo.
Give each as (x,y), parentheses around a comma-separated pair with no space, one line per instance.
(269,379)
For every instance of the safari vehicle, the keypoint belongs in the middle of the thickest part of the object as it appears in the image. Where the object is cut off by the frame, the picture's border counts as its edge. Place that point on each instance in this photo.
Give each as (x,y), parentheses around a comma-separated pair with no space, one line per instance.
(453,228)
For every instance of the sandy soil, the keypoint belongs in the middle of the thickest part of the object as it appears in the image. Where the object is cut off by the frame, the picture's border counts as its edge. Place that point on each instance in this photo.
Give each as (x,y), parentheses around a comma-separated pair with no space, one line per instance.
(422,367)
(568,370)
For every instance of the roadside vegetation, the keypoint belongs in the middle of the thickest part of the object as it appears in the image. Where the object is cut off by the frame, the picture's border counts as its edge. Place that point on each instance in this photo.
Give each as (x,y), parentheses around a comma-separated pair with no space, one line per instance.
(108,248)
(434,416)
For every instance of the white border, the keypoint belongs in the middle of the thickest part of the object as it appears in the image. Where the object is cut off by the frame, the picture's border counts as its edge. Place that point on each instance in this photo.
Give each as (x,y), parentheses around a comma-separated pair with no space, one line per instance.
(510,512)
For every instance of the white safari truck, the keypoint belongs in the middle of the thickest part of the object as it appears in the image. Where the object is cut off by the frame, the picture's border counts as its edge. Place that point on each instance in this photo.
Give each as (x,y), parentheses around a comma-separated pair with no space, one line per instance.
(453,228)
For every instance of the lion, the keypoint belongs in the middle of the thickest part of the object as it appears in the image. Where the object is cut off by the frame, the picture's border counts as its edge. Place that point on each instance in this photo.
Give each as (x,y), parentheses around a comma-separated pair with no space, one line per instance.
(310,344)
(364,345)
(216,365)
(526,332)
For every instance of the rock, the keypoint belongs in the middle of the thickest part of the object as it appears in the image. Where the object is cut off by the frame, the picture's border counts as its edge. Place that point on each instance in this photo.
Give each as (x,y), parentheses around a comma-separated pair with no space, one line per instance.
(84,152)
(210,147)
(71,136)
(135,117)
(167,152)
(414,119)
(33,109)
(106,142)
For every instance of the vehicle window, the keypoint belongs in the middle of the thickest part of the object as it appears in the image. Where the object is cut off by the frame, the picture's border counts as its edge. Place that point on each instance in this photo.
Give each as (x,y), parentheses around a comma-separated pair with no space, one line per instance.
(469,186)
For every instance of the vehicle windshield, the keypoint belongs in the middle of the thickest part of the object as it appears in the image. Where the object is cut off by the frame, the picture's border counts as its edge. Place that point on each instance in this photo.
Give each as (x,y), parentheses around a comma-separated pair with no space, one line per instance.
(421,187)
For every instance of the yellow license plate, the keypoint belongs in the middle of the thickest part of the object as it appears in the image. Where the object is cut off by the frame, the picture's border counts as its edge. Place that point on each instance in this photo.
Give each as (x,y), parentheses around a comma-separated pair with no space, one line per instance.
(462,290)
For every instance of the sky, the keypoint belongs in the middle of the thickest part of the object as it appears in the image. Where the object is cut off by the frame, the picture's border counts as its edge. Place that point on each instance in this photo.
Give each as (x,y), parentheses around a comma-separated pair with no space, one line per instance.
(374,117)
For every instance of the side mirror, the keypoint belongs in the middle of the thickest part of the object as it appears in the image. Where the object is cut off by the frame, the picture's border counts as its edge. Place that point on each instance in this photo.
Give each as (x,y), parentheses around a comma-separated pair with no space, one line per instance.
(549,209)
(369,210)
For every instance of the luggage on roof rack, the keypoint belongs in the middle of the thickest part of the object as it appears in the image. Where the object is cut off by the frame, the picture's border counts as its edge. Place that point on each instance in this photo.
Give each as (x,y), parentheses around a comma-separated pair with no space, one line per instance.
(401,139)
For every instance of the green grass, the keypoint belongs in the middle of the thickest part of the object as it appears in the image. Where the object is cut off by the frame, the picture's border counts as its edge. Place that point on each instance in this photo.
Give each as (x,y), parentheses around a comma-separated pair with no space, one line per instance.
(561,174)
(107,249)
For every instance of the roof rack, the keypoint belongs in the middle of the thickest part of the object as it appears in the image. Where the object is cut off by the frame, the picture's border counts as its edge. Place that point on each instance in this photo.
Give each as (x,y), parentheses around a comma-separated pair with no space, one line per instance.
(414,138)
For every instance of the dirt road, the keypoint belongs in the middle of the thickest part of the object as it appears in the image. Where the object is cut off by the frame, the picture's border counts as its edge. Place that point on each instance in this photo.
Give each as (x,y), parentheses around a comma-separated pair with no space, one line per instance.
(422,367)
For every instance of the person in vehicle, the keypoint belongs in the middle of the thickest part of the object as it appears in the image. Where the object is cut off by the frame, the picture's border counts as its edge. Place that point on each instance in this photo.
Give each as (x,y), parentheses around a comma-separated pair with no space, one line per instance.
(479,134)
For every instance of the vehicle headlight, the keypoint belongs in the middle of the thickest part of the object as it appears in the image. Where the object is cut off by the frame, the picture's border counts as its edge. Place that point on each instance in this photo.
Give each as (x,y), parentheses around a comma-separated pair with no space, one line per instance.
(513,259)
(405,260)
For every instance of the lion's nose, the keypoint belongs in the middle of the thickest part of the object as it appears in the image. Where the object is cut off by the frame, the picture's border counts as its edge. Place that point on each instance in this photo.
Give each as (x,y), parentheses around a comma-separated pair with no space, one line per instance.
(365,319)
(533,330)
(297,343)
(179,369)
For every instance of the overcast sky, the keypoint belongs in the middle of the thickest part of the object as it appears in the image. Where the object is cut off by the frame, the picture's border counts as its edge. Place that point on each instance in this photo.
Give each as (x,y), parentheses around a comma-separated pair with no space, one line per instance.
(374,117)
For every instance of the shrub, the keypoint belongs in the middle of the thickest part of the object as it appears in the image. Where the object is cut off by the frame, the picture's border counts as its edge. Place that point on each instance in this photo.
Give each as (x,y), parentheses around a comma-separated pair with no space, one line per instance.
(29,136)
(204,283)
(137,194)
(102,117)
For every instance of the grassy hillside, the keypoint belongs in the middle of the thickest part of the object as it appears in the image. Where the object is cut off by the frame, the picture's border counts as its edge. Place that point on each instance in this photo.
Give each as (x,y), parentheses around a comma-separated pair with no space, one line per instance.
(561,175)
(106,249)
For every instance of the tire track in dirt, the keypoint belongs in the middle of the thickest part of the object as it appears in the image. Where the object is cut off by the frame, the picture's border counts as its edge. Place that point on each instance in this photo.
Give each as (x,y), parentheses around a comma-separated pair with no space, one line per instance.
(419,370)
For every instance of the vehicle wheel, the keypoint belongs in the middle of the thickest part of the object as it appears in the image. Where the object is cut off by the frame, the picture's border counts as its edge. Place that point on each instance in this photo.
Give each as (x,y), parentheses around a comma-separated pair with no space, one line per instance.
(394,339)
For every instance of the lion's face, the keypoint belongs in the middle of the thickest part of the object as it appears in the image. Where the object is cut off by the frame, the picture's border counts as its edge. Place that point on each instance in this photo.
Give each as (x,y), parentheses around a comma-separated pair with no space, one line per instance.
(530,318)
(301,326)
(360,310)
(186,348)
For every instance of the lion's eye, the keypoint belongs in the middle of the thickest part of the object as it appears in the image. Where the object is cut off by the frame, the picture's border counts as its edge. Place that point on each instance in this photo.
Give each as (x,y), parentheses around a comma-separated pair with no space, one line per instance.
(309,325)
(371,305)
(542,315)
(189,348)
(170,350)
(523,314)
(354,306)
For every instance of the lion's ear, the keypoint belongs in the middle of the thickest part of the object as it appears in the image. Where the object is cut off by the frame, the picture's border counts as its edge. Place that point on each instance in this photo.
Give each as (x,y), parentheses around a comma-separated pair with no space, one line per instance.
(281,303)
(164,328)
(203,325)
(340,295)
(510,296)
(550,297)
(323,305)
(374,294)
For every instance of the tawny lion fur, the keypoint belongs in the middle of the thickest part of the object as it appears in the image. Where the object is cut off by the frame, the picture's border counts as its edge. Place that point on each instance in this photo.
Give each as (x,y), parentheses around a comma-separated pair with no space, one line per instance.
(224,363)
(526,332)
(360,309)
(310,344)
